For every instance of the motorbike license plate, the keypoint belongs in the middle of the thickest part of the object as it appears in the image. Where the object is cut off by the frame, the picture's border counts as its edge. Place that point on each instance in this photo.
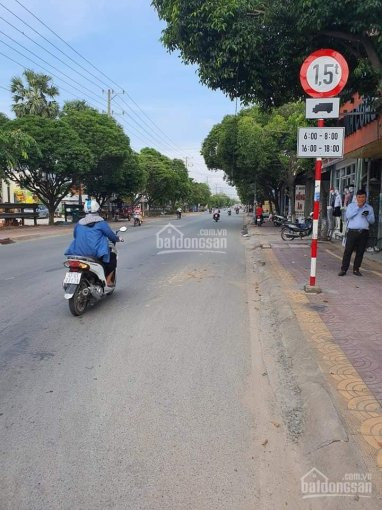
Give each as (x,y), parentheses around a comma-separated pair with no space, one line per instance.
(72,278)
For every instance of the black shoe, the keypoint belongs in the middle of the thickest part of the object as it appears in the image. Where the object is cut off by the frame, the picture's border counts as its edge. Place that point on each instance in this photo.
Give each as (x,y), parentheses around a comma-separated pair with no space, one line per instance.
(357,272)
(342,273)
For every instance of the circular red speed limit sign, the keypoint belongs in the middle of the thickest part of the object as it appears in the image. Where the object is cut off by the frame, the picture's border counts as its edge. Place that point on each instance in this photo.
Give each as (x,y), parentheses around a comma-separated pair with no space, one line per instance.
(324,73)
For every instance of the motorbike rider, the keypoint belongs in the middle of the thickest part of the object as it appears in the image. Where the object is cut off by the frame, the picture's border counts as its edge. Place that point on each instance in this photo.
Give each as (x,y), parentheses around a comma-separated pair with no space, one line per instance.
(259,213)
(179,212)
(91,239)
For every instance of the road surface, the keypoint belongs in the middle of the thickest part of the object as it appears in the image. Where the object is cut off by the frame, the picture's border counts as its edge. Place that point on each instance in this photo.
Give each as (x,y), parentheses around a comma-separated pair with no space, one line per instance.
(139,404)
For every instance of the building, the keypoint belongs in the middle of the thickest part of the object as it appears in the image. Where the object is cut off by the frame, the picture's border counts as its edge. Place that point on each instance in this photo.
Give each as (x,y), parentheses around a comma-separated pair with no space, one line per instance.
(361,166)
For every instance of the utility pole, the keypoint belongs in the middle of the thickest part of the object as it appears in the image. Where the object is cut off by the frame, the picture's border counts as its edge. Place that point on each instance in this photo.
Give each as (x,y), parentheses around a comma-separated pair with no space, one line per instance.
(109,93)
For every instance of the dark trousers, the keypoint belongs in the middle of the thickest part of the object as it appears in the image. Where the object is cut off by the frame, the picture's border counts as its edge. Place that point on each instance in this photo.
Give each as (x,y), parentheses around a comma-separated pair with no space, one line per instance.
(355,240)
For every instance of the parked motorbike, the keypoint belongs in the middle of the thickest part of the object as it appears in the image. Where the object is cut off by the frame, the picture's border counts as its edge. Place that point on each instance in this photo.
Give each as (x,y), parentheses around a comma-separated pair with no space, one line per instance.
(279,220)
(85,282)
(292,231)
(216,216)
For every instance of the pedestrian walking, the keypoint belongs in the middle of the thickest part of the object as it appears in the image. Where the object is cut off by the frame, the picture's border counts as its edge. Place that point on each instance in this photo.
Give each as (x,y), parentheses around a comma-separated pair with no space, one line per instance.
(359,216)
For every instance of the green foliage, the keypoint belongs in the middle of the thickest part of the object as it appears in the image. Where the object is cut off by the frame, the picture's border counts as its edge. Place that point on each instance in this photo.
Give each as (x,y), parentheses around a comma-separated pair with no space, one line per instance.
(77,105)
(220,200)
(114,168)
(199,193)
(167,180)
(32,98)
(253,49)
(257,149)
(46,156)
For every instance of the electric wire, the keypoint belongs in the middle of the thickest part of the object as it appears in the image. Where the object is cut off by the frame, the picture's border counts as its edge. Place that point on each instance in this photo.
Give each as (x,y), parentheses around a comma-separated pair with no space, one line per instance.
(47,51)
(23,66)
(46,62)
(49,42)
(163,139)
(96,68)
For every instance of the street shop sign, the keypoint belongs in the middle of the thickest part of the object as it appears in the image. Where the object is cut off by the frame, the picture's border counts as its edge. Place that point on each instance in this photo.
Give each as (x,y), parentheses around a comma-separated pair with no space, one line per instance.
(324,73)
(320,142)
(322,108)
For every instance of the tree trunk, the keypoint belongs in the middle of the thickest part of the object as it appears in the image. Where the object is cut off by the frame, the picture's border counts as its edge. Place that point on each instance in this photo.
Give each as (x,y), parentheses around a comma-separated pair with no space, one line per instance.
(52,210)
(291,179)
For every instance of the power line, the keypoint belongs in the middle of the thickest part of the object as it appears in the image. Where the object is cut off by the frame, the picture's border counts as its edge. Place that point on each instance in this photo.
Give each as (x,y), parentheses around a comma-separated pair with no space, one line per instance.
(45,69)
(162,137)
(37,32)
(23,66)
(43,60)
(47,51)
(94,67)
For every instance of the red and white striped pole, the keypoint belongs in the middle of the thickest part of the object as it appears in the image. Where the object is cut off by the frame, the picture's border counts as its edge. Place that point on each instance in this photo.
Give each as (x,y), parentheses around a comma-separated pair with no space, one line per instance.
(316,214)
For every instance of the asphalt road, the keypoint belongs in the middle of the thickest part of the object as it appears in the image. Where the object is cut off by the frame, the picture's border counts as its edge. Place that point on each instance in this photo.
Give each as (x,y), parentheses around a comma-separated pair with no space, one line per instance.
(139,404)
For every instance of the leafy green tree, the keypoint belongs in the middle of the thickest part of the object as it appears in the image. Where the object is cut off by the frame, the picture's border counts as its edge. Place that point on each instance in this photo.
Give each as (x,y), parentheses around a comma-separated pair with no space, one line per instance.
(200,193)
(220,200)
(35,97)
(254,49)
(257,150)
(167,179)
(76,105)
(46,157)
(113,158)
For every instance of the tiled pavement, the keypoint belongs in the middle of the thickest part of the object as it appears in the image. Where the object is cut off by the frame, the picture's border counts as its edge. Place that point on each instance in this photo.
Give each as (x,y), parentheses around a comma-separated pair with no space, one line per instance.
(350,306)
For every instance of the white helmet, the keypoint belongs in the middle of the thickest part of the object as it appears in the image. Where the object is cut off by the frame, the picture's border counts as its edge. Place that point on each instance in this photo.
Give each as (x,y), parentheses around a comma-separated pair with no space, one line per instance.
(91,206)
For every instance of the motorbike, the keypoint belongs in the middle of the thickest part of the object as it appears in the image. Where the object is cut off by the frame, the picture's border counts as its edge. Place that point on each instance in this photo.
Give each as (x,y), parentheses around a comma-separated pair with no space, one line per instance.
(237,211)
(216,216)
(137,220)
(259,220)
(85,282)
(279,220)
(178,215)
(229,212)
(292,231)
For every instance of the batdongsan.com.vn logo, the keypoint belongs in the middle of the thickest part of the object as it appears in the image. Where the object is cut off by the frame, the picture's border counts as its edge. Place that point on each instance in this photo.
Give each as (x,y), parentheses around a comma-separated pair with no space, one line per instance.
(314,484)
(172,240)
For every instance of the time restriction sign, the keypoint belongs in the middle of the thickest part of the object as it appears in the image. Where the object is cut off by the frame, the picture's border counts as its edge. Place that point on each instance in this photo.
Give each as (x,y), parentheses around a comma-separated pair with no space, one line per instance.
(320,142)
(324,73)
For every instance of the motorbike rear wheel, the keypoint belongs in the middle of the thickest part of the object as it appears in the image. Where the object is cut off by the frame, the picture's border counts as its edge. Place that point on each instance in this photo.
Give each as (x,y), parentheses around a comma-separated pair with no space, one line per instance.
(79,302)
(286,235)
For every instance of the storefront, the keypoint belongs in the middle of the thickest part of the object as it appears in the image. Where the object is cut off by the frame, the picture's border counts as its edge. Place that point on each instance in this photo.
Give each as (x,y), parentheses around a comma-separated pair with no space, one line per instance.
(361,166)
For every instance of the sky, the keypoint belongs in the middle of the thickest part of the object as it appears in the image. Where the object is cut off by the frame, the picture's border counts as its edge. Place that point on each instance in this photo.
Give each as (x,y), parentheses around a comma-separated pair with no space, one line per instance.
(164,105)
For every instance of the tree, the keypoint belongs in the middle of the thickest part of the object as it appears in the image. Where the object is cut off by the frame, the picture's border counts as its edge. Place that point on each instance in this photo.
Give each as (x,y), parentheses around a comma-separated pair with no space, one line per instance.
(77,105)
(200,193)
(257,150)
(167,180)
(253,49)
(113,158)
(220,200)
(51,158)
(34,97)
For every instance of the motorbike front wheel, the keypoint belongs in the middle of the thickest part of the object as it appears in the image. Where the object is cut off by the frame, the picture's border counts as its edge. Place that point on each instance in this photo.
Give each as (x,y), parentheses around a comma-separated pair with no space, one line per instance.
(286,235)
(79,302)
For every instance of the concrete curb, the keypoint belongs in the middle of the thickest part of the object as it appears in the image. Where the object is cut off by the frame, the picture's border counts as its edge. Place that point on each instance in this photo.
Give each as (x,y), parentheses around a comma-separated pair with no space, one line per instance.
(311,407)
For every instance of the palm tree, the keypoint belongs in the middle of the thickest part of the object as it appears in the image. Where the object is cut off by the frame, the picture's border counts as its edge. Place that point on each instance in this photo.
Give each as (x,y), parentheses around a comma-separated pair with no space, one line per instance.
(36,97)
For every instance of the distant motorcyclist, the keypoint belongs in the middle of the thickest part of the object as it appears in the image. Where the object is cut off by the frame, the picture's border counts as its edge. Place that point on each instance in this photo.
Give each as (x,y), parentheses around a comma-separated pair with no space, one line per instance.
(179,213)
(91,239)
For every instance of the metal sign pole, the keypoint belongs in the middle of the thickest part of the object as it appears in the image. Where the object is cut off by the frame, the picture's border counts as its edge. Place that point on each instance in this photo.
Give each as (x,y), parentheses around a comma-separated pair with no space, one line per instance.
(316,214)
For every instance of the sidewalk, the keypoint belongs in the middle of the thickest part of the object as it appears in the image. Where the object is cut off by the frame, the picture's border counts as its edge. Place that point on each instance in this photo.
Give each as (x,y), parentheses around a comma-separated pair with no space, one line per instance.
(344,323)
(350,306)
